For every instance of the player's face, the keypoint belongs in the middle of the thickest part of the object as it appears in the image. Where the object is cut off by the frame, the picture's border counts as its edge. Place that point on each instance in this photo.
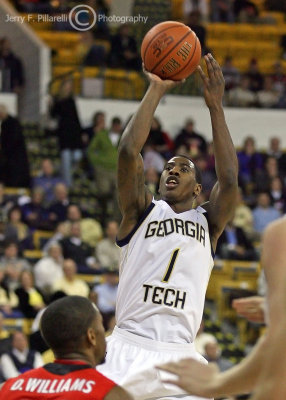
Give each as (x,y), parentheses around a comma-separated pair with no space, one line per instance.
(178,181)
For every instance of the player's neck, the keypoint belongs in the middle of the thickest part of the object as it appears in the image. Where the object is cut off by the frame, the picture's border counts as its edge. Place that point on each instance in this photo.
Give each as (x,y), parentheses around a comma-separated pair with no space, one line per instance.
(180,207)
(76,357)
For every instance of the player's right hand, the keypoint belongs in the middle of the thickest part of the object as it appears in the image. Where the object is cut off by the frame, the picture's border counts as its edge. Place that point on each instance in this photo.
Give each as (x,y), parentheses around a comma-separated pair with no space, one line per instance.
(165,84)
(251,308)
(192,376)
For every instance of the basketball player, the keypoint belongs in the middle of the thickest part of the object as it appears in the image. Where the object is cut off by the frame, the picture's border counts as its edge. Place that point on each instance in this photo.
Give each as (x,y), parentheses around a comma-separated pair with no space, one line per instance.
(73,328)
(264,370)
(166,257)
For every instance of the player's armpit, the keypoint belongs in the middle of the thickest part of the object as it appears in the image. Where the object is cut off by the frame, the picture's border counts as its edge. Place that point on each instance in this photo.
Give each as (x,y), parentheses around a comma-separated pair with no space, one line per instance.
(118,393)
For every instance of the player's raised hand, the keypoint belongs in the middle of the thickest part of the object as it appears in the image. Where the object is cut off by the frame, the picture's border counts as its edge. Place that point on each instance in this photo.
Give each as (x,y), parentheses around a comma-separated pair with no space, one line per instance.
(192,376)
(213,83)
(251,308)
(164,84)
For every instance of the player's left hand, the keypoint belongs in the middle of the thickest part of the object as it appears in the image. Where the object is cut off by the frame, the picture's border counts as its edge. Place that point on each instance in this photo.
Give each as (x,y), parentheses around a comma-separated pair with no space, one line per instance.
(192,376)
(213,83)
(164,84)
(251,308)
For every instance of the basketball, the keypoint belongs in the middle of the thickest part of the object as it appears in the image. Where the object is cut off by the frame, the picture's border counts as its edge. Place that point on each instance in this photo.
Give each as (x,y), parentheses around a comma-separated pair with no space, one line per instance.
(171,50)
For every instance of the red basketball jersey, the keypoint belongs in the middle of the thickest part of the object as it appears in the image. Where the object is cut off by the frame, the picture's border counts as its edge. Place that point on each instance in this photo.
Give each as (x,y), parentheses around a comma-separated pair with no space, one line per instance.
(63,379)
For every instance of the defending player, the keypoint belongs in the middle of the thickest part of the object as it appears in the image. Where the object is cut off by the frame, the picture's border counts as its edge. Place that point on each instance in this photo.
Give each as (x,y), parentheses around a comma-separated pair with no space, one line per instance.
(264,370)
(166,257)
(73,328)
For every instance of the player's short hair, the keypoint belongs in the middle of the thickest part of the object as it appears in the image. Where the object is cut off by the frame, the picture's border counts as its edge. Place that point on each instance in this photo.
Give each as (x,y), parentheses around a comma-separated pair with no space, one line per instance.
(65,322)
(198,173)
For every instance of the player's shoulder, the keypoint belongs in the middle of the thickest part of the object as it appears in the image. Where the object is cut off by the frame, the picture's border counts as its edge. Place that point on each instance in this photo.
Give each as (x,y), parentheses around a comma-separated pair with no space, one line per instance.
(118,393)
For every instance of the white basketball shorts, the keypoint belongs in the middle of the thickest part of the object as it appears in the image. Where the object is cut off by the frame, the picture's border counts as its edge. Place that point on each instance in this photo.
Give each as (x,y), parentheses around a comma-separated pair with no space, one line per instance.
(131,361)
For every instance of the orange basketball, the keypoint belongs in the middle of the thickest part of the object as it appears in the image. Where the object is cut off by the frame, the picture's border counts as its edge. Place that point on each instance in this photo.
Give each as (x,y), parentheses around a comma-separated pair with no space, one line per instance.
(171,50)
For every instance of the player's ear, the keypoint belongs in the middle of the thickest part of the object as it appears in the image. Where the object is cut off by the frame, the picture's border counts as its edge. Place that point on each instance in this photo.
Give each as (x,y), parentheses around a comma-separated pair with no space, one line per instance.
(91,336)
(197,189)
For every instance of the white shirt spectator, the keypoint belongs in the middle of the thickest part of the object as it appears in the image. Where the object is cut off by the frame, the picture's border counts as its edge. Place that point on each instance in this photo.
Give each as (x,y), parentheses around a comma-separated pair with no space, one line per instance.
(47,271)
(8,367)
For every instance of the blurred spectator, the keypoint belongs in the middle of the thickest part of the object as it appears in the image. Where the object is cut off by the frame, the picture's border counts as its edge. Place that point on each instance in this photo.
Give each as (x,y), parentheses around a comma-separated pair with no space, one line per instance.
(11,264)
(5,341)
(241,96)
(92,53)
(20,359)
(255,76)
(77,250)
(107,251)
(193,21)
(62,230)
(160,140)
(106,294)
(61,8)
(264,177)
(13,151)
(278,77)
(152,159)
(5,201)
(102,155)
(49,269)
(98,124)
(245,11)
(213,355)
(274,150)
(102,8)
(34,214)
(123,52)
(264,212)
(250,161)
(70,284)
(275,5)
(30,298)
(277,194)
(200,6)
(47,180)
(208,176)
(91,230)
(63,108)
(152,179)
(4,333)
(15,230)
(34,6)
(58,209)
(222,11)
(202,339)
(194,142)
(115,130)
(243,217)
(230,73)
(11,67)
(233,244)
(8,298)
(267,97)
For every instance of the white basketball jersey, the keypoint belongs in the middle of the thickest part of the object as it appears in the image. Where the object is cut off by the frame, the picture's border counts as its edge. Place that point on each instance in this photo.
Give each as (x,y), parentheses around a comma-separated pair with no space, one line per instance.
(165,266)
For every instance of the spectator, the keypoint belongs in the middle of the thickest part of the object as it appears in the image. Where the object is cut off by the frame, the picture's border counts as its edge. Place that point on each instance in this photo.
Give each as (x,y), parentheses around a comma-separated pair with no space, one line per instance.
(230,73)
(4,334)
(58,209)
(30,298)
(274,150)
(5,341)
(34,214)
(62,230)
(91,230)
(245,11)
(264,177)
(123,52)
(106,294)
(277,194)
(255,76)
(267,97)
(15,230)
(222,11)
(12,265)
(12,68)
(243,217)
(208,176)
(250,161)
(194,143)
(13,150)
(202,339)
(241,96)
(102,155)
(69,129)
(233,244)
(107,251)
(49,269)
(152,159)
(5,202)
(115,131)
(193,21)
(213,354)
(77,250)
(61,8)
(8,298)
(160,140)
(264,213)
(200,6)
(47,180)
(69,284)
(98,124)
(92,54)
(278,77)
(34,6)
(152,179)
(20,358)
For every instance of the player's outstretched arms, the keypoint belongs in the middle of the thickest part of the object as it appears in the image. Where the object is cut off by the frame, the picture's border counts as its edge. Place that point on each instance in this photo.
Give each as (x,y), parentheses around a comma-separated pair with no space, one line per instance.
(118,393)
(222,198)
(133,198)
(251,308)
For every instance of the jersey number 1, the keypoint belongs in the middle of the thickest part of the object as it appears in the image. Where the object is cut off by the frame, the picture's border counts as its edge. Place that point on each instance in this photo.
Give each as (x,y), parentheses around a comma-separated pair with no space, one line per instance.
(171,265)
